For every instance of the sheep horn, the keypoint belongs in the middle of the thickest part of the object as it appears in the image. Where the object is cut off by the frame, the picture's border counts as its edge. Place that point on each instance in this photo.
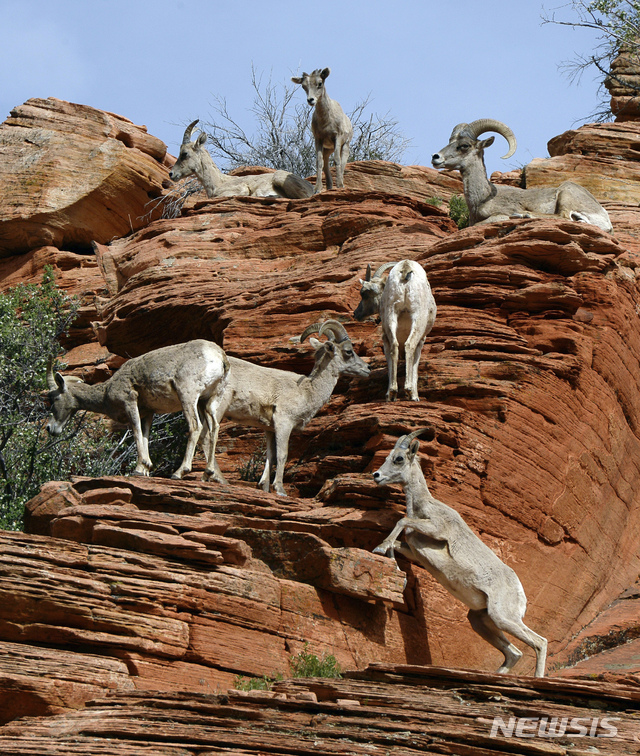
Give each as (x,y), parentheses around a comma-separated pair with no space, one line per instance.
(482,125)
(187,132)
(334,326)
(382,269)
(51,379)
(405,441)
(367,276)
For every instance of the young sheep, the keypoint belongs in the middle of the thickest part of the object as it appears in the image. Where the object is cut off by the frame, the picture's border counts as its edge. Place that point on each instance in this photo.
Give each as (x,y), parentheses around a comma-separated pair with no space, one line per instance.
(407,314)
(281,401)
(436,537)
(190,376)
(489,202)
(194,159)
(331,127)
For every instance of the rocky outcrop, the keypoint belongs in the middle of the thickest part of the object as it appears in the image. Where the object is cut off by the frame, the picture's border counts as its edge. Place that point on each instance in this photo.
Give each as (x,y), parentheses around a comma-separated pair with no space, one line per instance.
(159,593)
(72,174)
(385,709)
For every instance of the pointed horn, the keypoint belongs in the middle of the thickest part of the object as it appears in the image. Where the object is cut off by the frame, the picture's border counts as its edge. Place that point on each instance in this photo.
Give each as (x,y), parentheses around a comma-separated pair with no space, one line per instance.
(382,269)
(482,125)
(188,131)
(367,276)
(405,441)
(51,380)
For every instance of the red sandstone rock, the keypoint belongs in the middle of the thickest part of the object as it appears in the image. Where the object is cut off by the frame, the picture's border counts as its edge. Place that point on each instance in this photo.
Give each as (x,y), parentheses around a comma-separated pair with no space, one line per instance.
(72,174)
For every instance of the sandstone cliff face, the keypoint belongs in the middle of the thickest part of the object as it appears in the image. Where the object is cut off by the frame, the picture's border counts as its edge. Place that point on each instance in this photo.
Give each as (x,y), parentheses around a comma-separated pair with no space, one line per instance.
(529,376)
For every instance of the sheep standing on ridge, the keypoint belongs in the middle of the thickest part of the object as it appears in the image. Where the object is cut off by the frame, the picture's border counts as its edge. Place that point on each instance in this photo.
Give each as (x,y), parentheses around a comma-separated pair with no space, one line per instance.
(407,314)
(331,127)
(194,159)
(437,538)
(190,377)
(489,202)
(281,401)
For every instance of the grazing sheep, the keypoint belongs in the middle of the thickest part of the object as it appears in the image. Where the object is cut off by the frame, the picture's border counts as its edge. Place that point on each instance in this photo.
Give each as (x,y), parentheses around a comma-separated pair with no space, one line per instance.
(436,537)
(489,202)
(407,314)
(331,127)
(194,159)
(190,377)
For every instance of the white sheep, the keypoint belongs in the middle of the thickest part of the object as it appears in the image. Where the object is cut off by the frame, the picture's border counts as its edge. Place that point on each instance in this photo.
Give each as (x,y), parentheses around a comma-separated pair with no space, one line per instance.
(407,314)
(489,202)
(194,159)
(190,377)
(436,537)
(281,401)
(331,127)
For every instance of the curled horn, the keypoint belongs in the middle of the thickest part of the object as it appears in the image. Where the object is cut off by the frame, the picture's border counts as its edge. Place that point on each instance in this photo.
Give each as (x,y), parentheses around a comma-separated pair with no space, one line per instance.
(405,441)
(382,269)
(482,125)
(51,379)
(188,131)
(333,326)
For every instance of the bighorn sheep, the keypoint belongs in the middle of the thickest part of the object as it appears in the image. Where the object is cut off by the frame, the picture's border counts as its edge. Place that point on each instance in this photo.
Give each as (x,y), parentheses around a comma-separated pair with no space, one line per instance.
(282,401)
(190,376)
(489,202)
(331,127)
(407,314)
(437,538)
(194,159)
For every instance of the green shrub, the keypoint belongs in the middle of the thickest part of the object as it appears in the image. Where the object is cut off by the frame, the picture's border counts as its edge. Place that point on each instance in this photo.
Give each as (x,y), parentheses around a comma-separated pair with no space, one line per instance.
(459,211)
(306,664)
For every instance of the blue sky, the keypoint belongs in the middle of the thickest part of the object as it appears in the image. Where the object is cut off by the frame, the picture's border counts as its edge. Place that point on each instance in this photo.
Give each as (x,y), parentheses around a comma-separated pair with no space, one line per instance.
(428,64)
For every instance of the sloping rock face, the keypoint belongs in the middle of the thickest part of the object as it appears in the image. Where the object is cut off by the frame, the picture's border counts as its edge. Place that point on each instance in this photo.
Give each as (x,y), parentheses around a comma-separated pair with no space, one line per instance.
(383,710)
(72,174)
(529,377)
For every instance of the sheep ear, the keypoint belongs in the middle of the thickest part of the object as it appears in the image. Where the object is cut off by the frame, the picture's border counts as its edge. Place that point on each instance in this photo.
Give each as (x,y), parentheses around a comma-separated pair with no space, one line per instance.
(324,73)
(201,139)
(413,448)
(60,381)
(315,343)
(296,79)
(484,143)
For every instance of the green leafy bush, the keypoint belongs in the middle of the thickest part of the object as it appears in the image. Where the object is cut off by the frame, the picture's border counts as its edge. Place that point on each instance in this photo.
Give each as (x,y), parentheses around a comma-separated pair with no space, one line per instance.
(459,211)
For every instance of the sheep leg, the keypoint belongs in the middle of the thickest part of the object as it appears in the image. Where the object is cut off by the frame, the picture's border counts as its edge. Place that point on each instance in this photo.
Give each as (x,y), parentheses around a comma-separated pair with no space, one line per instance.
(326,157)
(319,164)
(140,436)
(192,416)
(412,353)
(265,479)
(391,350)
(341,156)
(283,431)
(487,629)
(387,547)
(517,628)
(210,432)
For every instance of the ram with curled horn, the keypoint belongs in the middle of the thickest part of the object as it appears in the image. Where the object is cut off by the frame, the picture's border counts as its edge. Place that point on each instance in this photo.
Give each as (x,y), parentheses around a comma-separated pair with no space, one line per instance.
(407,313)
(281,401)
(489,202)
(437,538)
(195,160)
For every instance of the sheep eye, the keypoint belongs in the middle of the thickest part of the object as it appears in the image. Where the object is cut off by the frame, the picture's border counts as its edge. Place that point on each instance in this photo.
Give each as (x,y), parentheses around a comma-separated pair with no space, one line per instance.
(398,460)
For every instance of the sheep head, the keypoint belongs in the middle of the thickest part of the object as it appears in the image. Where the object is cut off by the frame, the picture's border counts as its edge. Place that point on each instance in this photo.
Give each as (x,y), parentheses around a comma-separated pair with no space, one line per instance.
(313,83)
(189,159)
(371,291)
(397,465)
(336,350)
(464,147)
